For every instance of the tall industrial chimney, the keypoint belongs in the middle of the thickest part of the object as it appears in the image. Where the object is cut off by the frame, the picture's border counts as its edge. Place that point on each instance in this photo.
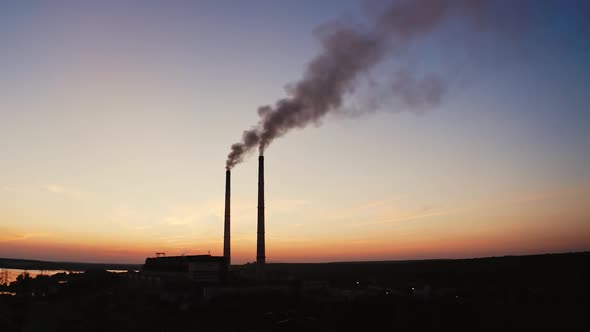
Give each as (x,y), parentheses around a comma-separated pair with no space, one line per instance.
(260,252)
(227,226)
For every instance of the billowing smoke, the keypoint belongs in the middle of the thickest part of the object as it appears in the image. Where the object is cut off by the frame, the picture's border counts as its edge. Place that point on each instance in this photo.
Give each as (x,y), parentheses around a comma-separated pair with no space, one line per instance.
(349,51)
(250,140)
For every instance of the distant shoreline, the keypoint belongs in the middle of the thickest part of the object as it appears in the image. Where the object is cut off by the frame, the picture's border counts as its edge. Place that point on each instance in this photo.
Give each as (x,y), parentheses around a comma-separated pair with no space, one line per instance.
(27,264)
(428,260)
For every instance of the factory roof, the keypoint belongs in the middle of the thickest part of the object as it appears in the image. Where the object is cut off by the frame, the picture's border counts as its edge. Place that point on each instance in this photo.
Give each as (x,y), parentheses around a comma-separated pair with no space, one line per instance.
(178,263)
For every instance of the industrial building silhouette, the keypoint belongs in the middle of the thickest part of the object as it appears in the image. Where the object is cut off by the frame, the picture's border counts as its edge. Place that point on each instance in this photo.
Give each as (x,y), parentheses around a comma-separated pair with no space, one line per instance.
(209,269)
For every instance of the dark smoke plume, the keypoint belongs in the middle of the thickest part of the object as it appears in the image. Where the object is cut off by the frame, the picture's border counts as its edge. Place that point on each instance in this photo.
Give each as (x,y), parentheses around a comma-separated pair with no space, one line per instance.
(347,52)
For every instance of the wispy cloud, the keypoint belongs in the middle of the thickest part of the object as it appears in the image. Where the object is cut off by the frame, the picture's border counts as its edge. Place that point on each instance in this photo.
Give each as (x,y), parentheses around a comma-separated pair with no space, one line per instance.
(413,216)
(428,212)
(130,219)
(378,203)
(202,213)
(190,214)
(8,188)
(373,207)
(544,195)
(12,237)
(285,205)
(67,192)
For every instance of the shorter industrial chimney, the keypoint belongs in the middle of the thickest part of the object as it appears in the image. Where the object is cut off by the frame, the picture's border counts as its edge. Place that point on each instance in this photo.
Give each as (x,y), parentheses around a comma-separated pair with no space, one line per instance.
(227,226)
(260,251)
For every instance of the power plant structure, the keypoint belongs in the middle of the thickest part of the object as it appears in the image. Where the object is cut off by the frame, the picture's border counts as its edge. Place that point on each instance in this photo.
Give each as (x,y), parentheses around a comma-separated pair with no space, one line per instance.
(227,221)
(260,243)
(260,247)
(207,269)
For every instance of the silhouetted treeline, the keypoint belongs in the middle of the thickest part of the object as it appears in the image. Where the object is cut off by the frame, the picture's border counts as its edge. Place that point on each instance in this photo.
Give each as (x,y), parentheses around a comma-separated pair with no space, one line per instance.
(27,264)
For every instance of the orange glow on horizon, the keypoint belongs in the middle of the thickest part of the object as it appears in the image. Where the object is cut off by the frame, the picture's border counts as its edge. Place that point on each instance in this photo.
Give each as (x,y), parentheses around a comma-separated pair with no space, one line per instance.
(512,241)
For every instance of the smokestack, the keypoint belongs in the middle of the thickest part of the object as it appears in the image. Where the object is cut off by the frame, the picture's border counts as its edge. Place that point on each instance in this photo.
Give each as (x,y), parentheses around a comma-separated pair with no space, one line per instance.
(260,252)
(227,226)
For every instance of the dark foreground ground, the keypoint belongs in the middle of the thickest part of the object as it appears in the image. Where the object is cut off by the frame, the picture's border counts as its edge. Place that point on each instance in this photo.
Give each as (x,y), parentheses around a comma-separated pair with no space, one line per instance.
(544,292)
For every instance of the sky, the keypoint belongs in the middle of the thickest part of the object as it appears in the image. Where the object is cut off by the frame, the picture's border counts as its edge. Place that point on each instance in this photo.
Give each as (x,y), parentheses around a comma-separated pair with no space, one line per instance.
(116,119)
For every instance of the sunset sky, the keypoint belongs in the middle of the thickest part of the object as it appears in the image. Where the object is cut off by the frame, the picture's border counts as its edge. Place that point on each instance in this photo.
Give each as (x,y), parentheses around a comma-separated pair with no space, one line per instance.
(116,118)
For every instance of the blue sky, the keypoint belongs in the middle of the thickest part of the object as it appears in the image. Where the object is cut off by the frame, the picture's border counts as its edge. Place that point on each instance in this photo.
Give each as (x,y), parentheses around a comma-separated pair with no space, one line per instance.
(116,119)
